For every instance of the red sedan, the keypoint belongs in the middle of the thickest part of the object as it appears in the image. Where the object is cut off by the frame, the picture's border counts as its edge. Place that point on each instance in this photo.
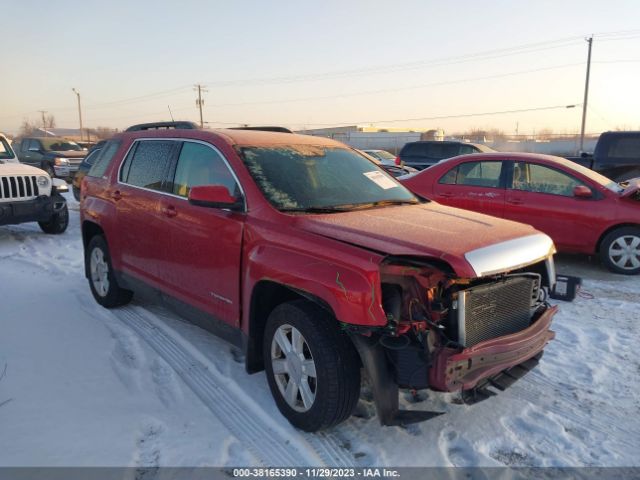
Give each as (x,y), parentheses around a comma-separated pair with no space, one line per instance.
(582,211)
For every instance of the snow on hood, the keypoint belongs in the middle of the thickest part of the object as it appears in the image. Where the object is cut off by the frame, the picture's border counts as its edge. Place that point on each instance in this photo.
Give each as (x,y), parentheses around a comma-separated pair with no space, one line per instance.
(458,237)
(19,169)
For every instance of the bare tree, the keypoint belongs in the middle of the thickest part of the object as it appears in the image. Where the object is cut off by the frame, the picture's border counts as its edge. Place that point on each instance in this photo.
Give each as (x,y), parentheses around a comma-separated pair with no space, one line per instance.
(103,133)
(27,128)
(50,121)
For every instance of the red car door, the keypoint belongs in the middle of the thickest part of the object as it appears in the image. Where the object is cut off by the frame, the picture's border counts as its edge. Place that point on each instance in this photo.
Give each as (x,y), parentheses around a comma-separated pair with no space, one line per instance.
(543,197)
(143,238)
(201,265)
(473,185)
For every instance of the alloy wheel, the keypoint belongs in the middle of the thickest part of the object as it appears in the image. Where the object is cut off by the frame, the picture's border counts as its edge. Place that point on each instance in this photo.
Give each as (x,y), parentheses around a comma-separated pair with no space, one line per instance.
(624,252)
(293,368)
(99,272)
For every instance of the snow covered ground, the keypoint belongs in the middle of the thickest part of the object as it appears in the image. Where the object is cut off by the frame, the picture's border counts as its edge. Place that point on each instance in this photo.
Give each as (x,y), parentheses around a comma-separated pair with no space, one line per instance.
(83,386)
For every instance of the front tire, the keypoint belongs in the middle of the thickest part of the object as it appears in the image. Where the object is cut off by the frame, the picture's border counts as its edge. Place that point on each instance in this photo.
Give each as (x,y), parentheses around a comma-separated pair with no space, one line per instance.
(102,279)
(620,250)
(76,192)
(58,222)
(312,367)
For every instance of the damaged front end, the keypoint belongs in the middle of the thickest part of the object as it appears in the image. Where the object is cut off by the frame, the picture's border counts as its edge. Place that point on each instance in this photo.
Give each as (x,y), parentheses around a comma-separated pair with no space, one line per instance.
(454,334)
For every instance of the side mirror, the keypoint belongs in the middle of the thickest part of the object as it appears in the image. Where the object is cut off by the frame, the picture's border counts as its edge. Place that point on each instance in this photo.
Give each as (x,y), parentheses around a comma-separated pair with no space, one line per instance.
(582,191)
(214,196)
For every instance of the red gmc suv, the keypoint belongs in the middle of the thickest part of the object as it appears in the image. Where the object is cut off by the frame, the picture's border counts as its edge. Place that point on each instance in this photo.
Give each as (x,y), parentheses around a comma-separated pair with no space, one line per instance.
(316,263)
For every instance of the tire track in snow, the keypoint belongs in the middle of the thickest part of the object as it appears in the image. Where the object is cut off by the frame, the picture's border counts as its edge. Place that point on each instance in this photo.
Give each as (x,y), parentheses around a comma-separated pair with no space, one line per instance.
(268,443)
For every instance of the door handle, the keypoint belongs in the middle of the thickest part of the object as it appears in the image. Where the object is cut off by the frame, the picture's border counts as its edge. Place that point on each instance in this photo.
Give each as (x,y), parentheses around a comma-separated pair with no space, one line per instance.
(116,195)
(446,194)
(169,211)
(515,201)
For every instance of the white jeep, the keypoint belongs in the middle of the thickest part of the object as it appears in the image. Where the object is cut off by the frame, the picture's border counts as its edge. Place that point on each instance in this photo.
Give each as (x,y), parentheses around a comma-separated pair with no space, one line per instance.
(28,194)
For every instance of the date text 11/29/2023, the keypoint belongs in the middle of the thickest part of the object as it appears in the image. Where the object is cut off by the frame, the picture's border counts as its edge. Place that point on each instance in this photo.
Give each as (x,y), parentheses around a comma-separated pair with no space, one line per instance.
(315,473)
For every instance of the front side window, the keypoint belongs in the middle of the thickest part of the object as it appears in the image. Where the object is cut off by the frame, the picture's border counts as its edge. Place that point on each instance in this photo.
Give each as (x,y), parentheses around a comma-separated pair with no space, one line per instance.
(200,164)
(147,164)
(308,177)
(530,177)
(465,149)
(478,174)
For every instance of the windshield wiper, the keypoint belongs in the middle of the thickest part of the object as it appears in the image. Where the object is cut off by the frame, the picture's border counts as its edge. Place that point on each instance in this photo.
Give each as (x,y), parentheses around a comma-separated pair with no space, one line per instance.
(328,209)
(347,207)
(381,203)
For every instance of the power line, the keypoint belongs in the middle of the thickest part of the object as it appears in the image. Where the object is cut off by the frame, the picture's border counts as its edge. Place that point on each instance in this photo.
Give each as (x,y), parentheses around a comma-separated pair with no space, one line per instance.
(381,69)
(437,117)
(392,90)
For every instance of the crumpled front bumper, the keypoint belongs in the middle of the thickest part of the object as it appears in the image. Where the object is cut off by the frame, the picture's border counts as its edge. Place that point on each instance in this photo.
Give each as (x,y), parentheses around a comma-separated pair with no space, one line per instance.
(39,209)
(454,370)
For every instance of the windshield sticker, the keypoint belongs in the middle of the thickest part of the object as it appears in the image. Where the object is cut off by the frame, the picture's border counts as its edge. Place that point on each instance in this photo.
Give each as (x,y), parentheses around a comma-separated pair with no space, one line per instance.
(380,179)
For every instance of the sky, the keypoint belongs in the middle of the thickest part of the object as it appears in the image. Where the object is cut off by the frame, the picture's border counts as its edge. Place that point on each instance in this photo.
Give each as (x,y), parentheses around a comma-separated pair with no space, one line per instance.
(400,64)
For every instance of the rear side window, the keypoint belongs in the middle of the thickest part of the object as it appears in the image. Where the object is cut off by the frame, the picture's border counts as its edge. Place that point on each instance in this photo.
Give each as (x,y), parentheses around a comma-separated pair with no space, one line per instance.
(478,174)
(414,149)
(625,147)
(199,164)
(147,164)
(105,155)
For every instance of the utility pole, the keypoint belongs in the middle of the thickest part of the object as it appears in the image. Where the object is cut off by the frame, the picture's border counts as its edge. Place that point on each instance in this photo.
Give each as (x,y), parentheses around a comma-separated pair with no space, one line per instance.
(586,95)
(80,114)
(44,122)
(199,101)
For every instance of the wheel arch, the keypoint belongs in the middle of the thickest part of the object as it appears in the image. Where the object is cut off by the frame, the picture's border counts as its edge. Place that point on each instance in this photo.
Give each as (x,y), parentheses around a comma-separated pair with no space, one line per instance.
(611,229)
(89,230)
(265,297)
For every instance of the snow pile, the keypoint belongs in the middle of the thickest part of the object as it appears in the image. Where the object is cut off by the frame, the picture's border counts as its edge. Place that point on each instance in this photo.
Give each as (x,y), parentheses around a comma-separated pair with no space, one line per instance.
(137,386)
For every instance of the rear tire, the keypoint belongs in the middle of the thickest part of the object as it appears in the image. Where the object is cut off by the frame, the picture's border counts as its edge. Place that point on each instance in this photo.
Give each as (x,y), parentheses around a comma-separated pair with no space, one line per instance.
(76,192)
(58,222)
(620,250)
(312,367)
(102,279)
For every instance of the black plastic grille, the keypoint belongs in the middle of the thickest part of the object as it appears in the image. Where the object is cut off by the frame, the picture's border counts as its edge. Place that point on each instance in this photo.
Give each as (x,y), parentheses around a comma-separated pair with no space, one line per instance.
(496,309)
(18,187)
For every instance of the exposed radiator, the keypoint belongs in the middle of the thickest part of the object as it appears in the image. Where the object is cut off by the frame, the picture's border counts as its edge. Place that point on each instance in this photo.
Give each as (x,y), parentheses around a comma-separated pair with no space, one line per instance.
(496,309)
(18,187)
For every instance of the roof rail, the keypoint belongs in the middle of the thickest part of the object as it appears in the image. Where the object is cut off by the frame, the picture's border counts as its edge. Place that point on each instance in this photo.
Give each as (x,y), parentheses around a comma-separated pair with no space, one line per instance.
(163,126)
(264,129)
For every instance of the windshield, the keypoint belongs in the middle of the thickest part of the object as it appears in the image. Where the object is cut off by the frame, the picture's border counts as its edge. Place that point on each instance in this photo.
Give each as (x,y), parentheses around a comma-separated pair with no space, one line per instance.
(59,145)
(593,176)
(306,178)
(381,154)
(5,150)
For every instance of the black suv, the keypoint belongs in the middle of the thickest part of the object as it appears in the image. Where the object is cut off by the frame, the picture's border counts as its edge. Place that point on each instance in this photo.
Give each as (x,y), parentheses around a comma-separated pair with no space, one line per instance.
(423,154)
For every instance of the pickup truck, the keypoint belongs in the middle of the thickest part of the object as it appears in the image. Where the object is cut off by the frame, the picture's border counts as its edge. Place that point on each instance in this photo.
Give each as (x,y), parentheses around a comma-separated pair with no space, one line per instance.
(616,156)
(57,156)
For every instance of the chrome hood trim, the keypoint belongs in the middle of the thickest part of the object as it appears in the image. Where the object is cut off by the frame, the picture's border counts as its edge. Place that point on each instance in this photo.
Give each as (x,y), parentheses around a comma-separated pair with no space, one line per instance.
(510,254)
